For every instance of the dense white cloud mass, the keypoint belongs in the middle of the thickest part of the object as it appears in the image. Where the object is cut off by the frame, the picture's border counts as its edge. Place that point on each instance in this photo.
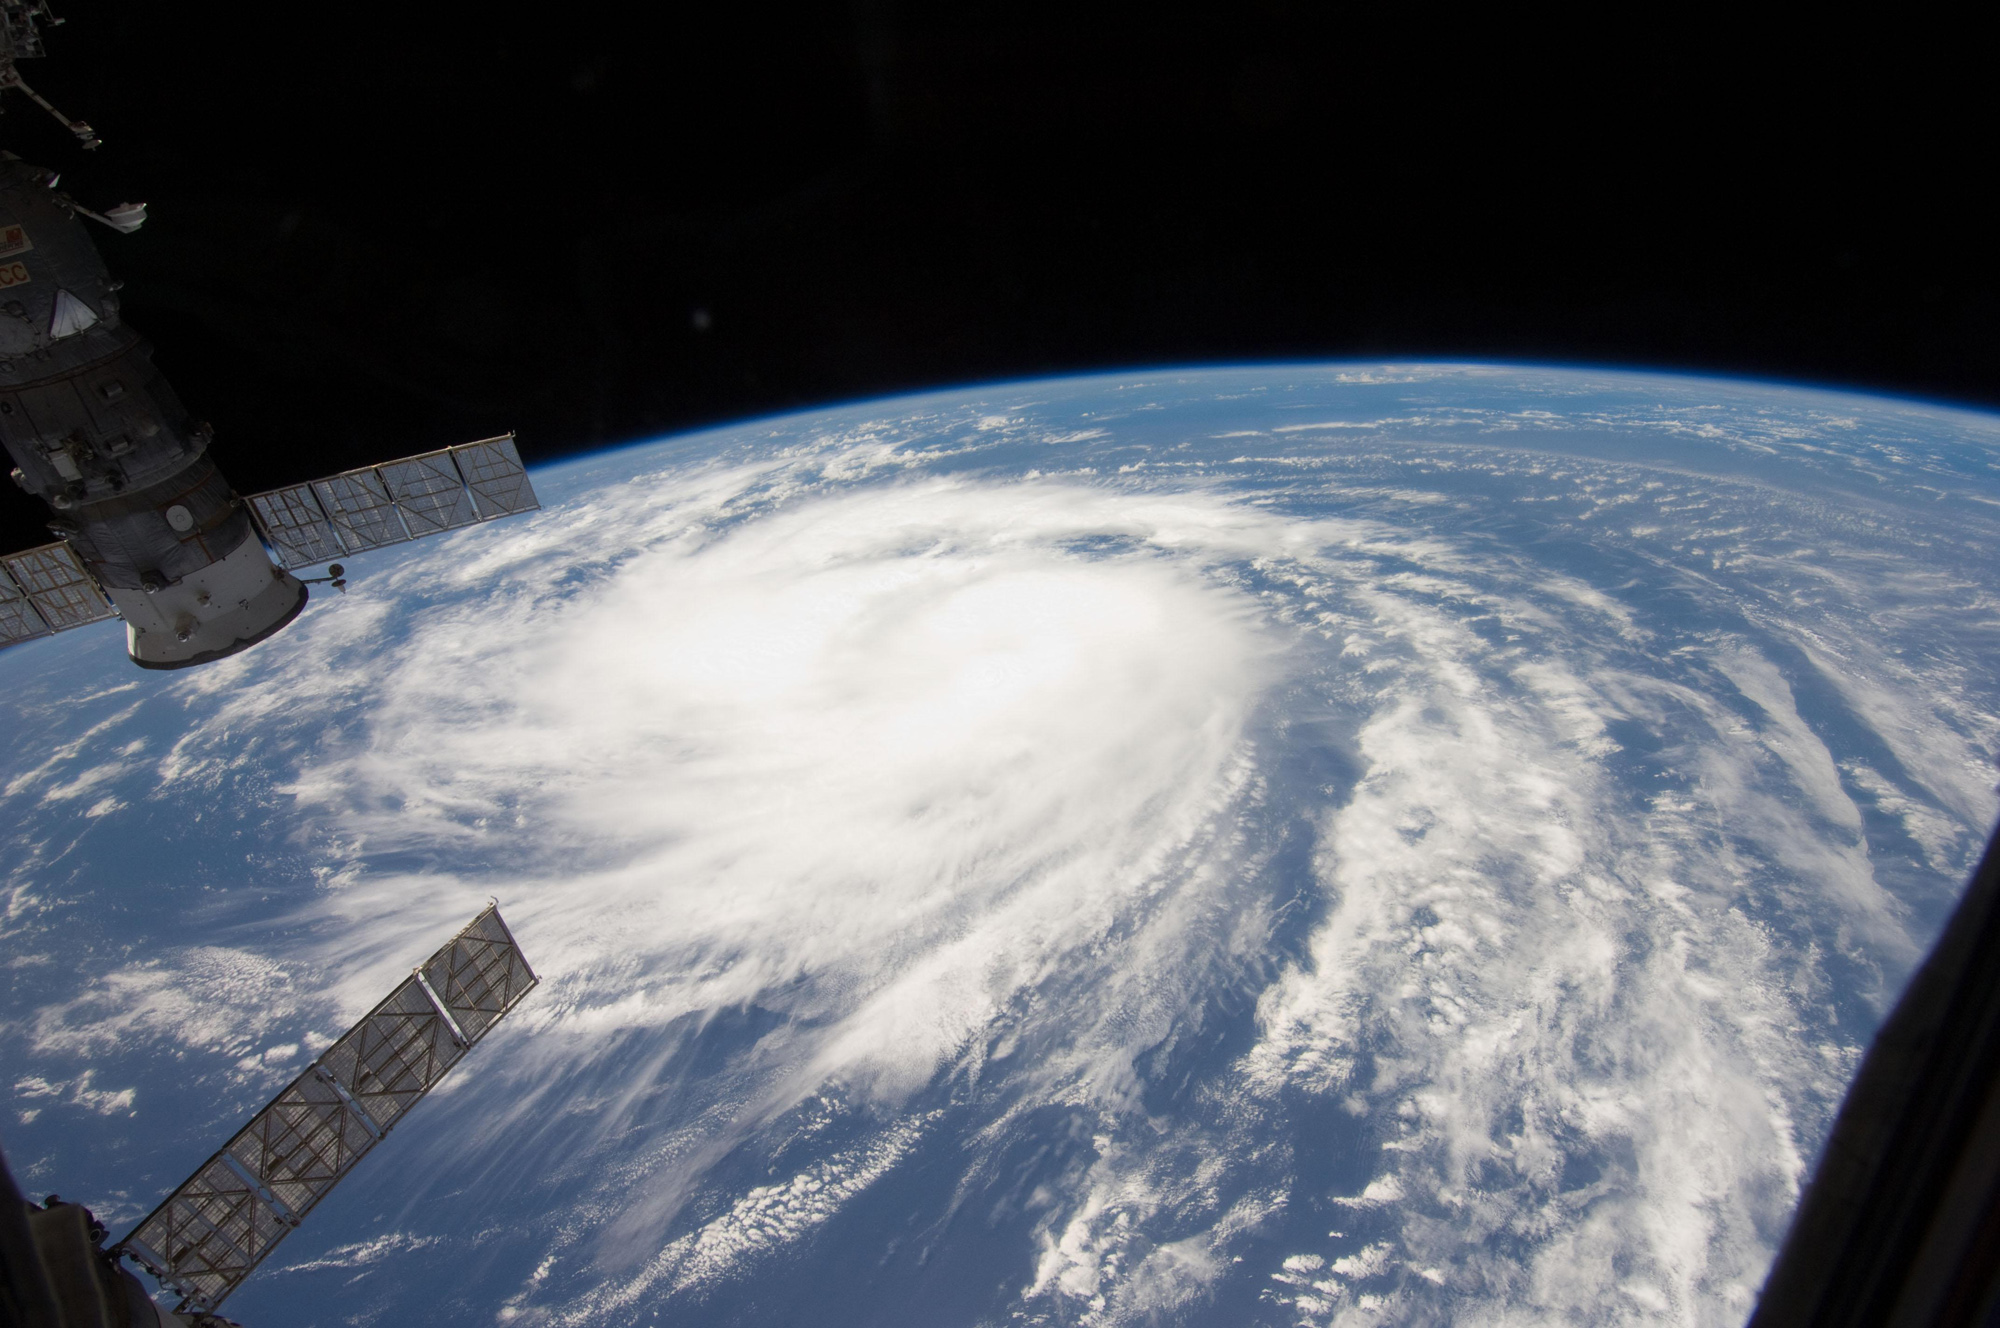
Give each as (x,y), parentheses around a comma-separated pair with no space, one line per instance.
(1346,872)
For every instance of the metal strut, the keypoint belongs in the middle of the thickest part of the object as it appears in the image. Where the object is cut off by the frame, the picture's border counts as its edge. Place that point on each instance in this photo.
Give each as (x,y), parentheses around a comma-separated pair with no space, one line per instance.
(10,77)
(21,39)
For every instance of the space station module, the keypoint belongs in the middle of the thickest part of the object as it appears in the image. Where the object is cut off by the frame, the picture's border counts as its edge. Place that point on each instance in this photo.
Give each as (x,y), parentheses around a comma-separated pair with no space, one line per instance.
(96,432)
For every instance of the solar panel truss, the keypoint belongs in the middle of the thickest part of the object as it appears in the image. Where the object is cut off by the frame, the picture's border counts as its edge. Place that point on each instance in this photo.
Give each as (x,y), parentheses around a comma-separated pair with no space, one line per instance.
(394,501)
(18,619)
(493,471)
(223,1220)
(296,526)
(359,507)
(429,491)
(46,589)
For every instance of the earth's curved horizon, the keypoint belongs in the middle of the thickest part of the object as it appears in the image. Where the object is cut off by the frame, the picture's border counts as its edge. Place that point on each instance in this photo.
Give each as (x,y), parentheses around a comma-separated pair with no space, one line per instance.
(1333,843)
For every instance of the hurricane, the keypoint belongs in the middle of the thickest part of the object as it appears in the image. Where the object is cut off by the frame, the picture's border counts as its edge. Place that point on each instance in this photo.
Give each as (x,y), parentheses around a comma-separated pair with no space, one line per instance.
(1295,845)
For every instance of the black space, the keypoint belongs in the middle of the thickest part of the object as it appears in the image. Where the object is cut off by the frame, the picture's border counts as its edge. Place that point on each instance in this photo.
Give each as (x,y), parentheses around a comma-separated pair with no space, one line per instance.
(379,231)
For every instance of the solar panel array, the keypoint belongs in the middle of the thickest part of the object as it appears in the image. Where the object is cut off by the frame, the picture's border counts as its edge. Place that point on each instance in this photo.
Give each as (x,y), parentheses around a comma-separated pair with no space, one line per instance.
(45,590)
(223,1220)
(394,501)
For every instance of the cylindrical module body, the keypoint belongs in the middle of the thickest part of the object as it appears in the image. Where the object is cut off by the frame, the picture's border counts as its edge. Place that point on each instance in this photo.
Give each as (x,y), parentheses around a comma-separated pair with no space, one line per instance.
(98,435)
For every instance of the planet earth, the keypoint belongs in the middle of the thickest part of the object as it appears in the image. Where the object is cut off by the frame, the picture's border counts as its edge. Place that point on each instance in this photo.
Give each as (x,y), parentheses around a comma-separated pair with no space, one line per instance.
(1309,844)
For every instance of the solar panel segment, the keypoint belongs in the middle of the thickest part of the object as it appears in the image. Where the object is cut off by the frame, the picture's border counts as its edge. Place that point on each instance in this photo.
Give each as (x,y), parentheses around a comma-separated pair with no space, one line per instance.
(394,501)
(221,1222)
(46,589)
